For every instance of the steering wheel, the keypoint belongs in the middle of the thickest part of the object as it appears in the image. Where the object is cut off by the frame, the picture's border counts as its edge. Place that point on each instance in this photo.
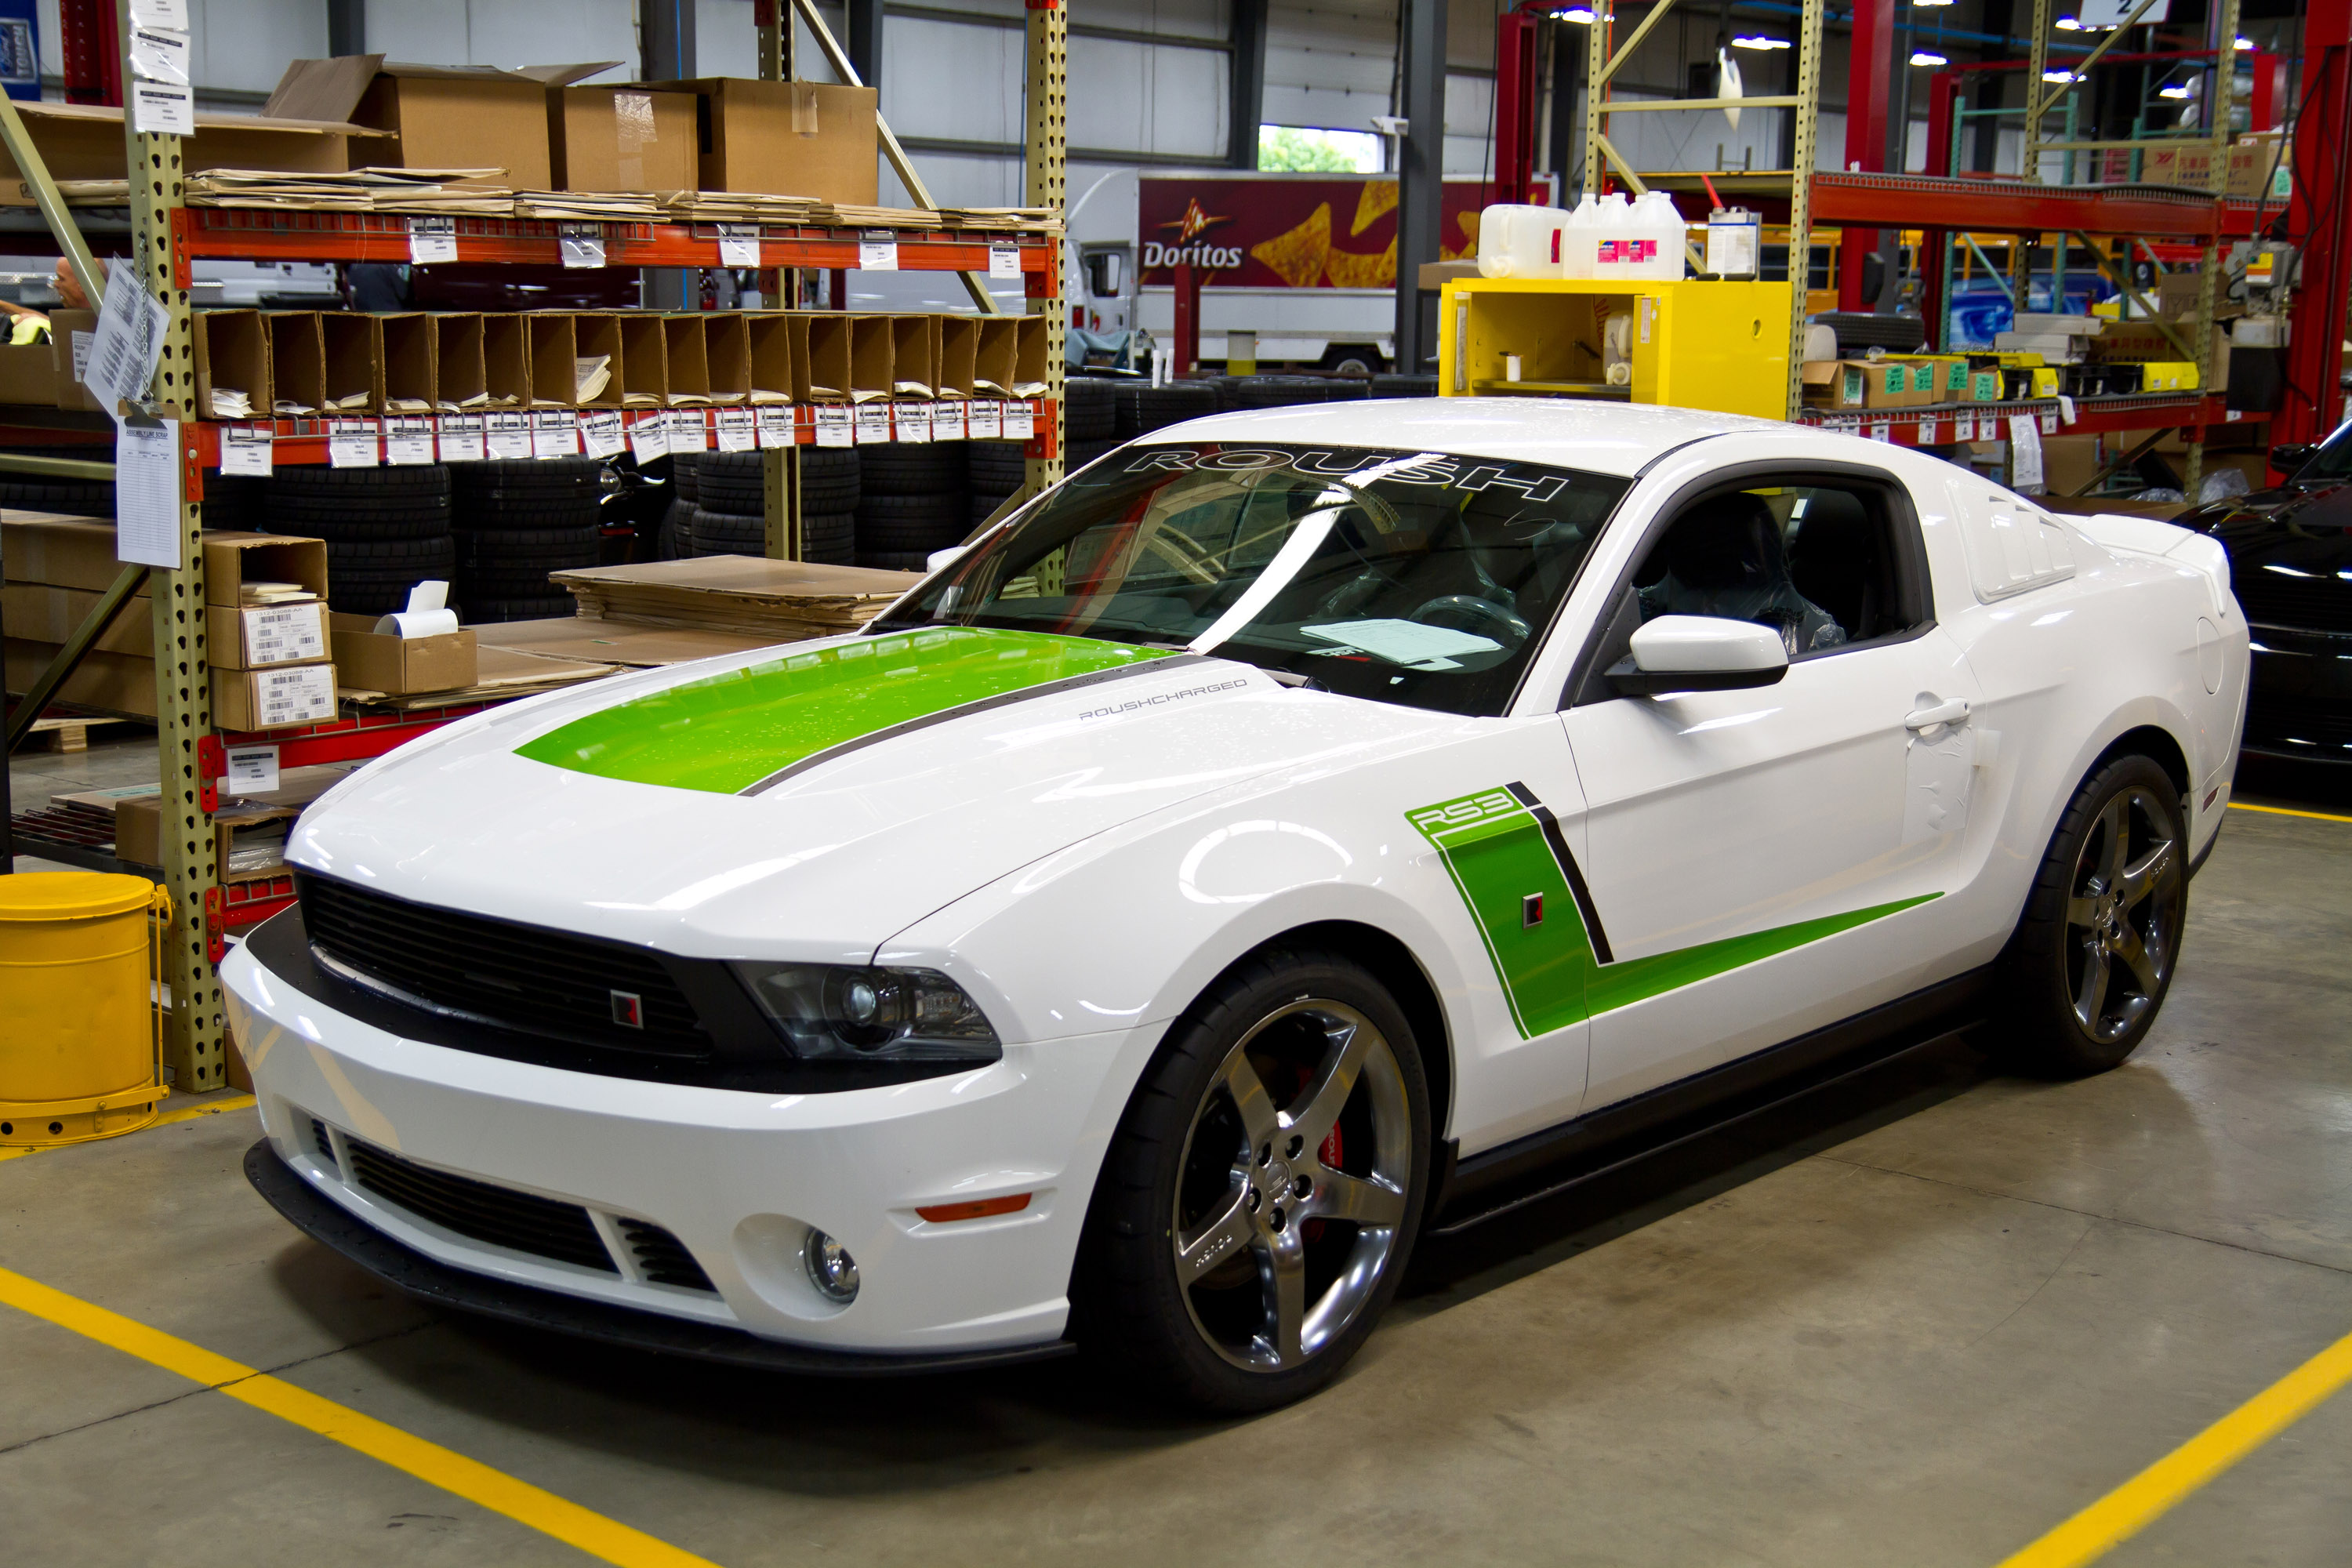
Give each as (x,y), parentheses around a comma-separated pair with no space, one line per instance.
(1468,612)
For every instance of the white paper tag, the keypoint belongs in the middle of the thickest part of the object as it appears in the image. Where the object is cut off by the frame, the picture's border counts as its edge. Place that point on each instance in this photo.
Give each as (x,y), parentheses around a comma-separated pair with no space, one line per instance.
(738,245)
(160,14)
(983,420)
(1020,422)
(555,434)
(252,769)
(1882,430)
(878,251)
(507,435)
(2024,452)
(649,437)
(432,239)
(948,422)
(286,634)
(1964,429)
(409,443)
(600,433)
(738,431)
(162,109)
(353,444)
(1926,435)
(914,422)
(304,694)
(83,342)
(833,426)
(1003,260)
(148,530)
(461,438)
(775,427)
(244,450)
(2065,408)
(873,423)
(2050,423)
(582,243)
(688,431)
(128,343)
(159,54)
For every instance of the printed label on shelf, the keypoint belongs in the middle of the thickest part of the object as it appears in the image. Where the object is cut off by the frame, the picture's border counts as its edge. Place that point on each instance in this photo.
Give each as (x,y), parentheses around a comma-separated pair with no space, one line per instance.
(738,245)
(1927,436)
(252,769)
(983,420)
(2230,414)
(600,432)
(353,444)
(159,54)
(285,635)
(162,109)
(160,14)
(688,431)
(738,431)
(127,345)
(775,427)
(81,346)
(1003,260)
(1964,429)
(432,239)
(507,435)
(878,251)
(461,438)
(582,243)
(408,442)
(947,420)
(1882,430)
(832,427)
(2050,425)
(149,527)
(555,434)
(302,695)
(244,450)
(2024,452)
(649,437)
(873,423)
(914,420)
(1020,421)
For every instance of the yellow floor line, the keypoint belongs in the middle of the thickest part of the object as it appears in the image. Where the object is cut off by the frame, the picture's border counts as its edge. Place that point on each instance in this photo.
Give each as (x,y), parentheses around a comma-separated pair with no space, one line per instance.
(452,1472)
(185,1113)
(2284,810)
(2150,1494)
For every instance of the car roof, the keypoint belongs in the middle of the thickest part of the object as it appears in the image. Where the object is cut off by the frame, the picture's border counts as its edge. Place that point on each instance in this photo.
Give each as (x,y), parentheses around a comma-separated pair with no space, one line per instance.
(1571,432)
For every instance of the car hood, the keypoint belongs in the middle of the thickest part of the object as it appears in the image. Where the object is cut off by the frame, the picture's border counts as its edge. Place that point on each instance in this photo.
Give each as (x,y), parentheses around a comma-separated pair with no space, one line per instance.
(810,802)
(2290,555)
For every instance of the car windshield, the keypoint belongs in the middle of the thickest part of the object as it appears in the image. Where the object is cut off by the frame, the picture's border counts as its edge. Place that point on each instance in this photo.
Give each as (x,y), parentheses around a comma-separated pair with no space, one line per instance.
(2332,464)
(1410,577)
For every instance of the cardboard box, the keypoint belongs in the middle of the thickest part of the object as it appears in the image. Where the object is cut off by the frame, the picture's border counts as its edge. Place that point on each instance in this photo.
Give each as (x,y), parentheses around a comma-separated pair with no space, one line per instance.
(768,338)
(84,141)
(786,138)
(506,361)
(298,362)
(460,377)
(65,328)
(232,560)
(2260,167)
(233,352)
(58,552)
(367,660)
(1832,383)
(248,838)
(28,374)
(873,357)
(959,351)
(996,355)
(554,359)
(915,356)
(438,117)
(644,372)
(689,358)
(2069,463)
(1029,357)
(618,642)
(412,363)
(821,356)
(39,612)
(109,682)
(726,356)
(621,139)
(247,699)
(256,637)
(352,348)
(1984,386)
(596,334)
(2188,164)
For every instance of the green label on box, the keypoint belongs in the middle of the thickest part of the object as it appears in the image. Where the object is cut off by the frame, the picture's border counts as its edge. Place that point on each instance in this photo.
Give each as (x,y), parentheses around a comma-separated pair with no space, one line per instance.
(1985,386)
(1851,392)
(1955,376)
(1922,377)
(1894,380)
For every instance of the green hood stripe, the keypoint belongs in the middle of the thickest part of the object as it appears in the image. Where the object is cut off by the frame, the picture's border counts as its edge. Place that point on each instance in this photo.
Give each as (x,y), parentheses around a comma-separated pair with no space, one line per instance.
(746,730)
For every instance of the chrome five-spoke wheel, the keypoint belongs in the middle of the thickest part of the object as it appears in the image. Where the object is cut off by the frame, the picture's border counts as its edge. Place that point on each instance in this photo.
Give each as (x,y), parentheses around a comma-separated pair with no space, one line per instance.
(2123,914)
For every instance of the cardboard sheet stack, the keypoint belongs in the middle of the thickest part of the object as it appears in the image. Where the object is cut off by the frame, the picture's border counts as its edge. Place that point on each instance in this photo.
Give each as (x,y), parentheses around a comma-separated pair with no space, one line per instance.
(421,192)
(780,601)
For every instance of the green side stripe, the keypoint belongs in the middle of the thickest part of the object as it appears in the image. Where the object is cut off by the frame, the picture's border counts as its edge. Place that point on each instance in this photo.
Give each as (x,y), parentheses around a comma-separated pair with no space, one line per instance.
(726,733)
(1493,850)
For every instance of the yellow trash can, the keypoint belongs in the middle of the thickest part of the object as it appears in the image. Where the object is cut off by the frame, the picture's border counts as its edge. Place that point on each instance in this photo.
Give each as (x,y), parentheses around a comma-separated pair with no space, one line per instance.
(79,1042)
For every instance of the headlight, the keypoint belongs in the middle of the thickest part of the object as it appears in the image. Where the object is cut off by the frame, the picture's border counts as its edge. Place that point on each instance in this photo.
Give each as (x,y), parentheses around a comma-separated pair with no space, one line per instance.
(832,1013)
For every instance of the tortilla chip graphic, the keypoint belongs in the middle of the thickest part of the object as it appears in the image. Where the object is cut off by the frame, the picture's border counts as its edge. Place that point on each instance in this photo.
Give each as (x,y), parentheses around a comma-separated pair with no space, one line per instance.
(1348,270)
(1469,224)
(1298,258)
(1379,199)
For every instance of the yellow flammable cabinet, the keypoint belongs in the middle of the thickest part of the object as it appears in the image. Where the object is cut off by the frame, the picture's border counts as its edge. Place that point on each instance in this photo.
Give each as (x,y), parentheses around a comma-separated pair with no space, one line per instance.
(1715,345)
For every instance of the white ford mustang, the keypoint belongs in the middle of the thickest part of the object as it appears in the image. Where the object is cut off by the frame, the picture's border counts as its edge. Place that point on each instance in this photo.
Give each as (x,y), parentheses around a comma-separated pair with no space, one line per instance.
(1296,830)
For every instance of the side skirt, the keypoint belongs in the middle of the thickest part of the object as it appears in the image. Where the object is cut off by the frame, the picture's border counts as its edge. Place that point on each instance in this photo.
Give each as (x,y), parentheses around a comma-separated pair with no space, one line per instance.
(1483,1186)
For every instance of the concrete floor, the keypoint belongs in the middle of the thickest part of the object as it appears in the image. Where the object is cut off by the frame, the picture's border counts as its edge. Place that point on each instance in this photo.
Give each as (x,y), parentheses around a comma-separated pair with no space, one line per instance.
(1919,1320)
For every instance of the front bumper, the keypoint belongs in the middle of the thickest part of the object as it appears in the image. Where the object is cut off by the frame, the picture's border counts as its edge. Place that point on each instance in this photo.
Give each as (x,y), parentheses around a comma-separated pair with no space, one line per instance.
(738,1178)
(2299,702)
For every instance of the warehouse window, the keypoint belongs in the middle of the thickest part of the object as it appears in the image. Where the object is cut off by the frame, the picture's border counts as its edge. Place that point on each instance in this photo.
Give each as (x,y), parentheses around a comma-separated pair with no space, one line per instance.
(1292,149)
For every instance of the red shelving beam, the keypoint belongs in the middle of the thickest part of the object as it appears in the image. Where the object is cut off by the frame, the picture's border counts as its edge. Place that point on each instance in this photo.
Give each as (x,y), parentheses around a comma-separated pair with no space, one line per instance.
(2093,416)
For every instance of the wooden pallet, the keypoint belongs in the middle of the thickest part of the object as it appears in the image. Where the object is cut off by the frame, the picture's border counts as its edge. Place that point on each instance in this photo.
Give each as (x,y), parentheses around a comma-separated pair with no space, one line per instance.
(64,734)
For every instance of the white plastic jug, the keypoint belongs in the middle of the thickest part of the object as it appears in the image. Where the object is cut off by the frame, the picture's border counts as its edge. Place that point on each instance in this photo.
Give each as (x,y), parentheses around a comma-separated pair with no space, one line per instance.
(1579,240)
(1645,242)
(1516,241)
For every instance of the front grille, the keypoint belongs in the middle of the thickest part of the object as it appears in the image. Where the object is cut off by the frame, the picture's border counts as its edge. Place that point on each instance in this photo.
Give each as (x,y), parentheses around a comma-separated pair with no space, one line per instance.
(323,1147)
(521,977)
(500,1216)
(2300,727)
(662,1259)
(2306,603)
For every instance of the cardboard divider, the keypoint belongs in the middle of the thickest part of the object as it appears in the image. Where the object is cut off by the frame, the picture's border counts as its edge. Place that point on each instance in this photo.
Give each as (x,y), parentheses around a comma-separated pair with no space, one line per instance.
(232,351)
(411,362)
(959,343)
(1029,357)
(644,372)
(821,367)
(915,356)
(298,362)
(996,356)
(727,355)
(689,360)
(768,336)
(555,356)
(352,343)
(871,356)
(596,334)
(460,375)
(505,360)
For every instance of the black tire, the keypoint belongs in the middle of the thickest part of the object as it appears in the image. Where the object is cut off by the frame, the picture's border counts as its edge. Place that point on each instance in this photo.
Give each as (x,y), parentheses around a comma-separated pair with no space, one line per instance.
(2089,966)
(556,549)
(829,541)
(912,525)
(1399,385)
(232,500)
(829,463)
(924,470)
(1190,1341)
(732,481)
(1143,408)
(1000,466)
(67,498)
(348,487)
(1279,391)
(1089,408)
(530,476)
(474,518)
(483,612)
(1081,453)
(829,496)
(684,469)
(673,542)
(985,507)
(373,576)
(896,560)
(727,533)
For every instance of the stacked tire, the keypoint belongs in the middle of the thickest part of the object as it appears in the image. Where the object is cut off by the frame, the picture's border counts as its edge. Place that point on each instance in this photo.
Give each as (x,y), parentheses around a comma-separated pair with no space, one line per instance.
(676,540)
(233,500)
(831,484)
(1143,408)
(1391,383)
(517,521)
(998,469)
(1288,391)
(1091,415)
(728,513)
(67,498)
(912,500)
(387,530)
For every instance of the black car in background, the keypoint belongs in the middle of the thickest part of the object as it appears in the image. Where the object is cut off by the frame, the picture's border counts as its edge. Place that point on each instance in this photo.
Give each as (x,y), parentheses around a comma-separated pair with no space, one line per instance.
(2291,564)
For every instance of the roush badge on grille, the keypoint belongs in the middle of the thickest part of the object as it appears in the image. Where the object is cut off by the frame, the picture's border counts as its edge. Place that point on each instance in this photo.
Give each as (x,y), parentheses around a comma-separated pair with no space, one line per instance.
(628,1009)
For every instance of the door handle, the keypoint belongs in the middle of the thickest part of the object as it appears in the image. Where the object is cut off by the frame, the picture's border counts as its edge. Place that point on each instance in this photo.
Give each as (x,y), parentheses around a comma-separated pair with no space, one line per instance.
(1951,712)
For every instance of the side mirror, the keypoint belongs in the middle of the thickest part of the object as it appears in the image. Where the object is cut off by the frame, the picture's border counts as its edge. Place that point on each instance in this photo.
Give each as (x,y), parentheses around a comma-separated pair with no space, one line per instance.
(940,560)
(2289,455)
(1699,653)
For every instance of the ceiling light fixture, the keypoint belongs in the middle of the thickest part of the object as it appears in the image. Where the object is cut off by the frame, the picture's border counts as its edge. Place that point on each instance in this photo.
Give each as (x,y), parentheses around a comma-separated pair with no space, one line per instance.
(2067,25)
(1758,41)
(1922,58)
